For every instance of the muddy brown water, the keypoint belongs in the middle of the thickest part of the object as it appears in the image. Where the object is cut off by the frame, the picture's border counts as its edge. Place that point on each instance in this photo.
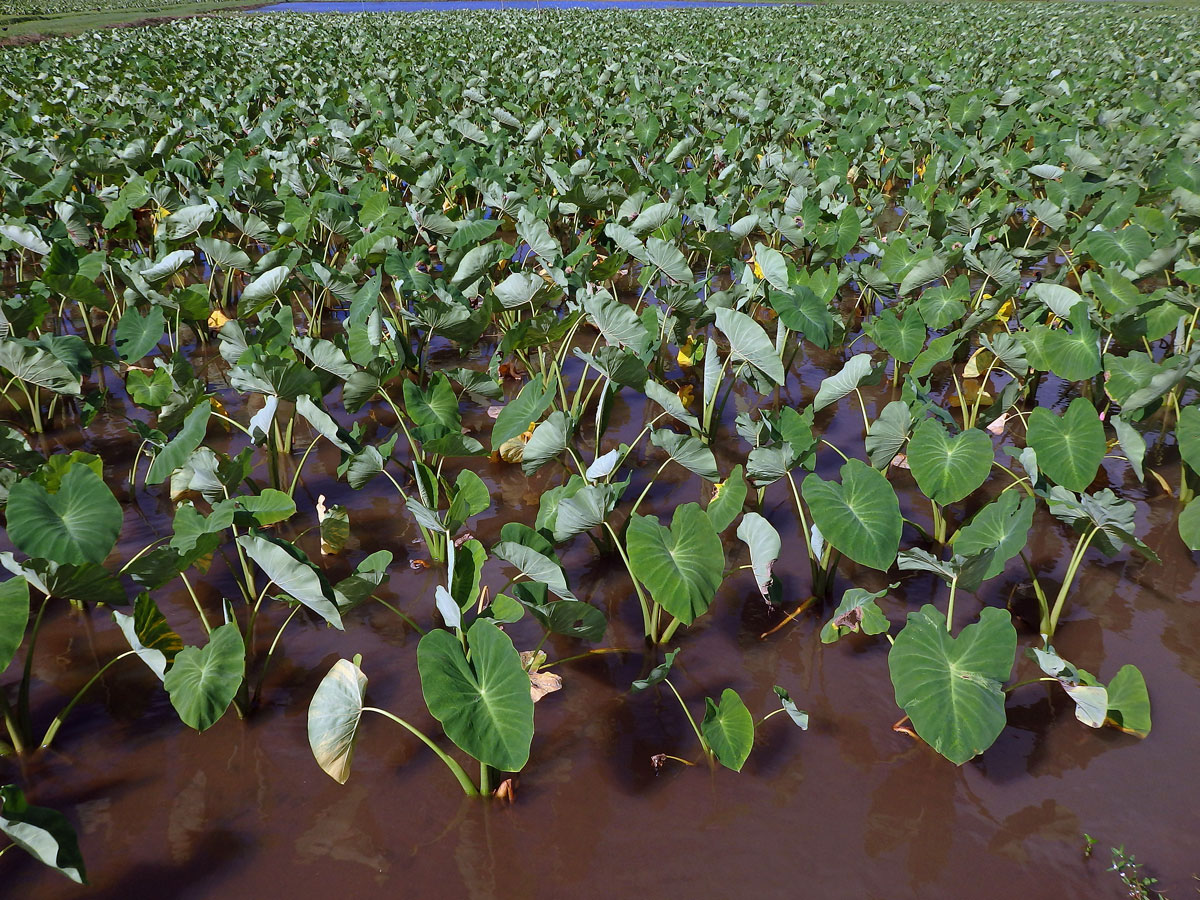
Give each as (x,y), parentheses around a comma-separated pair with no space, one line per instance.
(847,809)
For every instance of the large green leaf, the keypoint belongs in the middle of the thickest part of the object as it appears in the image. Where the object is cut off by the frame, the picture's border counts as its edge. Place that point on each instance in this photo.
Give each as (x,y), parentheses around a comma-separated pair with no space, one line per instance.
(902,337)
(749,343)
(179,448)
(952,688)
(43,833)
(948,467)
(78,524)
(203,681)
(14,616)
(333,718)
(534,566)
(136,335)
(860,517)
(690,452)
(515,417)
(857,371)
(295,577)
(1069,449)
(484,704)
(728,729)
(681,566)
(1002,526)
(1129,702)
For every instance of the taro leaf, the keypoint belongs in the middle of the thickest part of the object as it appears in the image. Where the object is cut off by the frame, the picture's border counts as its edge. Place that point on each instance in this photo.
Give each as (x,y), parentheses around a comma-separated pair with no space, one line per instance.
(14,616)
(1091,700)
(681,566)
(186,221)
(515,417)
(43,833)
(136,335)
(436,405)
(35,365)
(78,524)
(585,508)
(658,674)
(333,718)
(173,455)
(470,498)
(1132,443)
(298,579)
(548,440)
(803,312)
(24,237)
(856,372)
(690,452)
(447,607)
(773,266)
(765,545)
(603,465)
(484,705)
(669,259)
(902,337)
(202,682)
(797,715)
(728,498)
(857,611)
(1187,434)
(262,290)
(1069,449)
(1002,526)
(1130,246)
(618,323)
(1129,702)
(888,433)
(748,342)
(728,729)
(267,508)
(951,688)
(1189,525)
(534,566)
(1103,510)
(860,517)
(149,635)
(571,618)
(948,467)
(669,400)
(323,423)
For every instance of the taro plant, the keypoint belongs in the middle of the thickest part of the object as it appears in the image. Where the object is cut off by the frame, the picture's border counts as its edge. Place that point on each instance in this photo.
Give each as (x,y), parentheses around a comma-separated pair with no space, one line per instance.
(726,733)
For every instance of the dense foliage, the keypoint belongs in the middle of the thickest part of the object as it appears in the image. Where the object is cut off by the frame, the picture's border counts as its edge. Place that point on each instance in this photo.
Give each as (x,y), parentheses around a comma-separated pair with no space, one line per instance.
(426,239)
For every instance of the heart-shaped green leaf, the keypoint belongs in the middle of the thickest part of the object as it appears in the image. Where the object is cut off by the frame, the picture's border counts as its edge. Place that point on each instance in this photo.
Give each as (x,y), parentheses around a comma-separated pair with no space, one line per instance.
(1069,449)
(860,517)
(728,729)
(484,705)
(203,681)
(951,688)
(78,524)
(948,467)
(681,566)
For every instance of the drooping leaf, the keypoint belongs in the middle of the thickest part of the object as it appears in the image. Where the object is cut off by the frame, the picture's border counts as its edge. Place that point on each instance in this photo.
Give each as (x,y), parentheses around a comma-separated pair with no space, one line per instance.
(295,578)
(858,611)
(728,498)
(765,546)
(149,634)
(749,343)
(334,716)
(14,616)
(43,833)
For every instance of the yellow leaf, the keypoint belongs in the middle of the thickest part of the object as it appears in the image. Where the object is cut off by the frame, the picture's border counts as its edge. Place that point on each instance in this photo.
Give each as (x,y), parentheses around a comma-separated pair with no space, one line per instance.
(972,391)
(216,319)
(687,353)
(686,395)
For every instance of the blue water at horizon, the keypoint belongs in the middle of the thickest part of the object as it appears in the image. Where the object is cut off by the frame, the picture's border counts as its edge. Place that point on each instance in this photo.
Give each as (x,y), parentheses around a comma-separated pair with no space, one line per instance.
(360,6)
